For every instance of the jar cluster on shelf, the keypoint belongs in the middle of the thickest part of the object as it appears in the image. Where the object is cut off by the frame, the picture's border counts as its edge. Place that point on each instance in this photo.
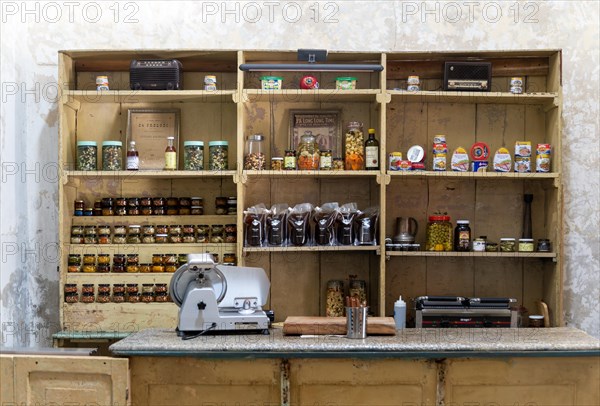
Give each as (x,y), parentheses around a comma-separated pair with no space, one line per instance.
(118,293)
(154,234)
(335,295)
(141,206)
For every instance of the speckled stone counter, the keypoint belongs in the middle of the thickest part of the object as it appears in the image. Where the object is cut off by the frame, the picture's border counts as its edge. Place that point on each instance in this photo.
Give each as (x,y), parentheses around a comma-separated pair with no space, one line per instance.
(418,343)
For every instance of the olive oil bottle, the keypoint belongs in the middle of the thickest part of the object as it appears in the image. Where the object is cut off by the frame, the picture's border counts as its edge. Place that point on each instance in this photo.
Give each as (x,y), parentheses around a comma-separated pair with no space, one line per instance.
(372,152)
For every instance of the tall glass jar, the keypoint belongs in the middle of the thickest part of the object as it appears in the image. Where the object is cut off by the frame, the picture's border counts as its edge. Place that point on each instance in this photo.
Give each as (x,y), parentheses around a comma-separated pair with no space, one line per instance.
(193,155)
(218,155)
(112,155)
(439,233)
(87,155)
(354,147)
(335,299)
(254,156)
(309,154)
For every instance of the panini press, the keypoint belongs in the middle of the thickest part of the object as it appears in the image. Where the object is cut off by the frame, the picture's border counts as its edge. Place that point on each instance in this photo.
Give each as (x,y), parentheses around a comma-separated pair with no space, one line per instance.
(450,311)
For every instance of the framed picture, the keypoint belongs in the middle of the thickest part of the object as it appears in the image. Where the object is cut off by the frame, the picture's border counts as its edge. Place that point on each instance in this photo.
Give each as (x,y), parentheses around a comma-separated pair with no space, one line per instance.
(324,124)
(149,128)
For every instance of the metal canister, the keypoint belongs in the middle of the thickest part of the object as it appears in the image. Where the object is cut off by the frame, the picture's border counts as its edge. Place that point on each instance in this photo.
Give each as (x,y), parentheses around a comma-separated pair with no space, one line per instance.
(102,83)
(394,159)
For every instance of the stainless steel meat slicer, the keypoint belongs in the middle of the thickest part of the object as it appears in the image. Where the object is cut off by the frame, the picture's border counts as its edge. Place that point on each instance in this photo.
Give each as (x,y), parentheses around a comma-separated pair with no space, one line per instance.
(219,298)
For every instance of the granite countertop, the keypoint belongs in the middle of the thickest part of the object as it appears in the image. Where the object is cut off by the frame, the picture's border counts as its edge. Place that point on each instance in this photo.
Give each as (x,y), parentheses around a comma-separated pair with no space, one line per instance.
(415,343)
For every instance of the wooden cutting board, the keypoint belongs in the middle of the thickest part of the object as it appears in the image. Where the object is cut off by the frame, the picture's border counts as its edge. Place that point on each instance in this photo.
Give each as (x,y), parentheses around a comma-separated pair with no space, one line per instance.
(297,325)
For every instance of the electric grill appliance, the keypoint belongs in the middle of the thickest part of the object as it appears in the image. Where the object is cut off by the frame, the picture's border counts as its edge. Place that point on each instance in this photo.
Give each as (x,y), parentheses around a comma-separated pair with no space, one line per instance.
(450,311)
(155,74)
(468,76)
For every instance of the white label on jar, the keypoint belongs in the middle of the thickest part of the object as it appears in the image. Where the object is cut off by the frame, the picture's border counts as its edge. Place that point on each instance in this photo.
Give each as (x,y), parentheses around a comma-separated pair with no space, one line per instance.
(372,155)
(478,245)
(133,162)
(170,160)
(326,162)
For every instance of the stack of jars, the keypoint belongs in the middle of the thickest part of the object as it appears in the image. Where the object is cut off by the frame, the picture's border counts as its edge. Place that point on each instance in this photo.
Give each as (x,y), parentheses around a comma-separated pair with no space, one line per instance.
(121,293)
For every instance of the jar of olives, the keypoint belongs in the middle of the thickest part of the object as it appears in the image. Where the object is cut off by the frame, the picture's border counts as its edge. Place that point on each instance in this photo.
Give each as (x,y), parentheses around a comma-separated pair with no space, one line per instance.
(354,147)
(439,233)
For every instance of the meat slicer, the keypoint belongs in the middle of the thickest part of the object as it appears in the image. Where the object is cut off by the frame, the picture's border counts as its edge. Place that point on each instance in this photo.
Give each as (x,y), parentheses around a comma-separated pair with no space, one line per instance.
(219,298)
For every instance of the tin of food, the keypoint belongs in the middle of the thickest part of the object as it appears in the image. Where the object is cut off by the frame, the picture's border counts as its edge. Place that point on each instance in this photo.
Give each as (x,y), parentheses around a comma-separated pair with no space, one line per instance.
(309,82)
(480,151)
(502,160)
(460,160)
(394,160)
(415,154)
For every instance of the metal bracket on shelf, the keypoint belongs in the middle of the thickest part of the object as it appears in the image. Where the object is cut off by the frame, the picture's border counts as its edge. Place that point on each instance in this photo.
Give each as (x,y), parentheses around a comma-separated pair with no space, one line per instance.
(383,98)
(383,179)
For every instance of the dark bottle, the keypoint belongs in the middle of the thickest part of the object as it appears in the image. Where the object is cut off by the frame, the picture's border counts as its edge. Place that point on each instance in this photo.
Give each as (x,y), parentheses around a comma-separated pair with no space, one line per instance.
(372,152)
(133,159)
(462,236)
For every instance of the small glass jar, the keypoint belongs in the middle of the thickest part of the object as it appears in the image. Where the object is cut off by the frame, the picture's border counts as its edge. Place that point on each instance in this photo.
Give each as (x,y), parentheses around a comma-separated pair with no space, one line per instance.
(78,206)
(98,208)
(229,259)
(338,164)
(277,163)
(88,211)
(202,238)
(112,155)
(120,211)
(133,211)
(87,155)
(184,202)
(203,229)
(131,268)
(193,155)
(170,268)
(89,259)
(491,247)
(254,156)
(103,298)
(354,147)
(188,238)
(175,239)
(188,229)
(159,202)
(134,230)
(170,259)
(118,297)
(88,298)
(104,229)
(526,245)
(308,155)
(158,268)
(479,244)
(148,229)
(119,239)
(107,202)
(221,201)
(161,297)
(90,239)
(146,211)
(104,259)
(118,268)
(335,299)
(104,288)
(544,245)
(439,233)
(119,259)
(74,259)
(145,201)
(133,259)
(217,229)
(118,288)
(289,160)
(104,239)
(159,211)
(161,238)
(145,268)
(507,245)
(184,211)
(132,288)
(71,297)
(162,229)
(160,288)
(230,238)
(133,298)
(172,210)
(120,202)
(119,229)
(134,239)
(218,155)
(70,288)
(462,237)
(88,288)
(147,288)
(76,230)
(148,239)
(326,162)
(181,259)
(77,239)
(89,230)
(175,229)
(196,201)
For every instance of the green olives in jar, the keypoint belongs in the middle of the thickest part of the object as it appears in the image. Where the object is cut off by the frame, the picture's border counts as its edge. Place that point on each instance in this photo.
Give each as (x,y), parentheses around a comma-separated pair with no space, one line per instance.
(439,233)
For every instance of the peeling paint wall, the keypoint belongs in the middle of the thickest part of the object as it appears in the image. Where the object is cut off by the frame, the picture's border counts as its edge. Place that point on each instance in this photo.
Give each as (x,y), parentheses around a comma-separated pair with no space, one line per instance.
(33,32)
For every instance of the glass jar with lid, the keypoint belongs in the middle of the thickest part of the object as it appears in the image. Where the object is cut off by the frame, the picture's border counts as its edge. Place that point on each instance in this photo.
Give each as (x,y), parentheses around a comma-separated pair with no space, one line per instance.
(354,147)
(335,299)
(254,156)
(193,155)
(218,155)
(112,155)
(308,154)
(439,233)
(87,155)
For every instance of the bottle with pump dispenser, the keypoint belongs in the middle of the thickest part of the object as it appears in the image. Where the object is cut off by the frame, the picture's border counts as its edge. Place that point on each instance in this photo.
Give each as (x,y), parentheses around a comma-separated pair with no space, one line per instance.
(400,314)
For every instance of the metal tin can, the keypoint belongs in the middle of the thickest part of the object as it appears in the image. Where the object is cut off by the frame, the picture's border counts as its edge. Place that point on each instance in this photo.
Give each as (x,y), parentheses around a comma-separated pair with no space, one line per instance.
(102,83)
(394,159)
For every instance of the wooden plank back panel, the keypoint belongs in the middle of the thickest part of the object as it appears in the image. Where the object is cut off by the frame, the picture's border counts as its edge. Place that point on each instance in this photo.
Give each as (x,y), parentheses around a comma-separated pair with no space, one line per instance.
(335,325)
(7,376)
(406,277)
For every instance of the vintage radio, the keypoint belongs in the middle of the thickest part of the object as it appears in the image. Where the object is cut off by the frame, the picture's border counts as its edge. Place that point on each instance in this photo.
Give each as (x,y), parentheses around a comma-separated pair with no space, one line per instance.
(468,76)
(450,311)
(155,74)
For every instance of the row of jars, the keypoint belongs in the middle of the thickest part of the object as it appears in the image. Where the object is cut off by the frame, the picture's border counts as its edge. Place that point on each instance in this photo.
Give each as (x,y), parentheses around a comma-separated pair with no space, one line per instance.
(121,293)
(151,234)
(112,155)
(145,206)
(335,295)
(130,263)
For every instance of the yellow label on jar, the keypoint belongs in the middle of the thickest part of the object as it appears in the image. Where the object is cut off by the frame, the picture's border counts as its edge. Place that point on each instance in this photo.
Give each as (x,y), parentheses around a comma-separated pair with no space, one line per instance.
(170,160)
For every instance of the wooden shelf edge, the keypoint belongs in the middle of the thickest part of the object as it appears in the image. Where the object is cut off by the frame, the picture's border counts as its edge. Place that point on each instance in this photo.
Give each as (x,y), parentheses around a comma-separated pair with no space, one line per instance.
(474,97)
(309,174)
(474,175)
(471,254)
(336,248)
(124,175)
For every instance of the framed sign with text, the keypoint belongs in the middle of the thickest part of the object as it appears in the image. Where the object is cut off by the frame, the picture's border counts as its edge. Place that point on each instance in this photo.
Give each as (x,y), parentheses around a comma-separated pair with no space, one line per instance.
(149,128)
(323,124)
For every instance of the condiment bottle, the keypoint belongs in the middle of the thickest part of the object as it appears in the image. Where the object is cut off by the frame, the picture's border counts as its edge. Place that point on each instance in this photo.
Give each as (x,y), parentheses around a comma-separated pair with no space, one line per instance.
(371,152)
(133,158)
(170,155)
(400,313)
(462,236)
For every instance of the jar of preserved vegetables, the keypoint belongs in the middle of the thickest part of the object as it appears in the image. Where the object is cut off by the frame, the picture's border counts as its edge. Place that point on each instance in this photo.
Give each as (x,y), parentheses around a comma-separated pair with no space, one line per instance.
(112,155)
(193,155)
(308,153)
(439,233)
(326,162)
(289,160)
(218,155)
(354,147)
(87,155)
(335,299)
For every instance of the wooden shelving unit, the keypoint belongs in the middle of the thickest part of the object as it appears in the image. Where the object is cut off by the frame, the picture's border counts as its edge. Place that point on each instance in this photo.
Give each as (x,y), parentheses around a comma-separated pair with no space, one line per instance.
(491,201)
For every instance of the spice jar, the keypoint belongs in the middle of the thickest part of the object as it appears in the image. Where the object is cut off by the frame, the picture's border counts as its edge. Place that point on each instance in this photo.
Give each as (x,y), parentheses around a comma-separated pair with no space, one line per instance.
(77,239)
(133,298)
(491,247)
(145,268)
(354,147)
(112,155)
(507,245)
(104,239)
(308,155)
(439,233)
(479,244)
(160,288)
(70,288)
(104,259)
(335,299)
(196,201)
(544,245)
(87,155)
(78,206)
(526,245)
(326,162)
(118,297)
(218,155)
(88,288)
(276,163)
(103,298)
(71,297)
(188,238)
(193,155)
(181,259)
(133,259)
(119,239)
(89,259)
(118,288)
(98,208)
(161,238)
(161,297)
(134,239)
(289,160)
(132,288)
(232,205)
(104,288)
(87,297)
(254,157)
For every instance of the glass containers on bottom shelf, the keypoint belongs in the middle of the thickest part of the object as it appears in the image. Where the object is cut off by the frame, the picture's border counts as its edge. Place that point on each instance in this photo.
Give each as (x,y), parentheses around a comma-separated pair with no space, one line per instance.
(439,233)
(308,153)
(354,147)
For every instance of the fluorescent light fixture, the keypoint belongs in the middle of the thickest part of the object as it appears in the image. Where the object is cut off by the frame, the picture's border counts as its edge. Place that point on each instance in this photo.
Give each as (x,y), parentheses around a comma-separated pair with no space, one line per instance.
(313,57)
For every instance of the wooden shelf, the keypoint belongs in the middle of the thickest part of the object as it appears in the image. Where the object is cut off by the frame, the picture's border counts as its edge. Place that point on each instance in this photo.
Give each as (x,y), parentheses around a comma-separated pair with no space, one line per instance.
(148,96)
(317,95)
(342,248)
(473,175)
(268,174)
(547,99)
(127,175)
(471,254)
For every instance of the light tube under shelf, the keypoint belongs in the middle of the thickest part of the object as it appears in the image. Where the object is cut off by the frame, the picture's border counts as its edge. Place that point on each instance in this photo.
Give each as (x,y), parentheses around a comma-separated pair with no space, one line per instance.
(312,67)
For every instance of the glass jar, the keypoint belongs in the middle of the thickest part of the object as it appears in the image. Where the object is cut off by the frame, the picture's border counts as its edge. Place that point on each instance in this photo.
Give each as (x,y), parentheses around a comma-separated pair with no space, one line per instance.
(104,288)
(88,211)
(132,288)
(74,259)
(203,229)
(338,164)
(354,147)
(88,298)
(148,229)
(76,229)
(326,162)
(89,230)
(358,289)
(133,259)
(90,239)
(335,299)
(98,208)
(103,268)
(132,268)
(157,258)
(193,155)
(148,239)
(218,155)
(87,155)
(544,245)
(160,288)
(161,297)
(134,230)
(462,236)
(181,259)
(188,238)
(118,297)
(145,268)
(89,259)
(439,233)
(230,238)
(104,259)
(88,288)
(70,288)
(103,229)
(308,155)
(158,202)
(119,239)
(525,244)
(229,259)
(112,155)
(196,201)
(170,259)
(146,211)
(507,245)
(159,268)
(172,210)
(162,229)
(118,288)
(147,288)
(77,239)
(276,163)
(479,244)
(491,247)
(103,298)
(145,201)
(104,239)
(161,238)
(289,160)
(119,229)
(184,202)
(254,157)
(134,239)
(119,259)
(71,297)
